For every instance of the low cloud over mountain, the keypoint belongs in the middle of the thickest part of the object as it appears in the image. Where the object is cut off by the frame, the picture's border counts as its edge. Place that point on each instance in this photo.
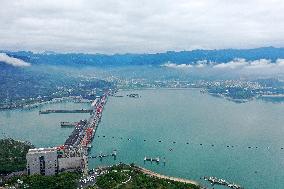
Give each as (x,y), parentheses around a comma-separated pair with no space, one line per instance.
(237,66)
(13,61)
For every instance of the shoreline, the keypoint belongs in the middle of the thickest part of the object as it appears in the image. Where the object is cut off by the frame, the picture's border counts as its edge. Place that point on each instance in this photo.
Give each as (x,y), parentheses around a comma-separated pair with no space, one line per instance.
(79,100)
(161,88)
(158,175)
(52,101)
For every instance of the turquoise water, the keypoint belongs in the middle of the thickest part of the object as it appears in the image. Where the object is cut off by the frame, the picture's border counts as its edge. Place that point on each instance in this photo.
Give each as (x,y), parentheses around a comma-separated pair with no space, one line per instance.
(41,130)
(178,116)
(183,116)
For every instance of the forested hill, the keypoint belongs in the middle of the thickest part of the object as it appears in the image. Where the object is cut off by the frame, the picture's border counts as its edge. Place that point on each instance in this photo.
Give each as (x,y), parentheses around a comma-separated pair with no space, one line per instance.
(182,57)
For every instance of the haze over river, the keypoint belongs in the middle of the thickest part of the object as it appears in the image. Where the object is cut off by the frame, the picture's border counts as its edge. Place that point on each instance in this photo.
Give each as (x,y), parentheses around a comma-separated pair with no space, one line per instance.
(197,134)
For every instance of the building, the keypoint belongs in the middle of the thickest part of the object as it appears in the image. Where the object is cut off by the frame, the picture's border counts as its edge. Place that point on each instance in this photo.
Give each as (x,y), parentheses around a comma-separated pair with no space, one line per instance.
(42,161)
(49,161)
(71,163)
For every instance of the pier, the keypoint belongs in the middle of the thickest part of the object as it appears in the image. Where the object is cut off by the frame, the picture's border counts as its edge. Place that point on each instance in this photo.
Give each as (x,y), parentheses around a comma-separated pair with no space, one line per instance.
(78,143)
(84,130)
(66,111)
(215,180)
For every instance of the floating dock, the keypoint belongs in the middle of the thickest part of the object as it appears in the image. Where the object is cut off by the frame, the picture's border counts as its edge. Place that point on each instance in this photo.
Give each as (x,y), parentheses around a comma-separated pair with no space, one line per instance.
(157,159)
(133,95)
(68,124)
(101,155)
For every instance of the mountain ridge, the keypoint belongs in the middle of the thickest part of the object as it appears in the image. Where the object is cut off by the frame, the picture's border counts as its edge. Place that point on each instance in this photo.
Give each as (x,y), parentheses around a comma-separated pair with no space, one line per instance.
(154,59)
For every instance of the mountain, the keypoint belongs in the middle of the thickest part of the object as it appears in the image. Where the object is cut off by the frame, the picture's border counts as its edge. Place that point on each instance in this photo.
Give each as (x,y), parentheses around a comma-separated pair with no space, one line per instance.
(182,57)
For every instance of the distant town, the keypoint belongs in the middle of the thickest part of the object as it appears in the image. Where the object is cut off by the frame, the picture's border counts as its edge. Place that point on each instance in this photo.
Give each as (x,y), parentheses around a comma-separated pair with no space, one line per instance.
(234,90)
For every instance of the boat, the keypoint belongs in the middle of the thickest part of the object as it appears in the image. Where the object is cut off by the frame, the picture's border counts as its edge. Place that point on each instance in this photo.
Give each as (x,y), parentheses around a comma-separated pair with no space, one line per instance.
(89,146)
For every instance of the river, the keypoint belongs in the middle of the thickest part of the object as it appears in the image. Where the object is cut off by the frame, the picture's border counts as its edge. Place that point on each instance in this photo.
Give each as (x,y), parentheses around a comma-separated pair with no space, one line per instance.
(197,134)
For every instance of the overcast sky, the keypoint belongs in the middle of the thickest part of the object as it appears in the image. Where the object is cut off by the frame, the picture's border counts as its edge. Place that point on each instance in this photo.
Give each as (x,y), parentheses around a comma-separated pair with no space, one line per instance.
(120,26)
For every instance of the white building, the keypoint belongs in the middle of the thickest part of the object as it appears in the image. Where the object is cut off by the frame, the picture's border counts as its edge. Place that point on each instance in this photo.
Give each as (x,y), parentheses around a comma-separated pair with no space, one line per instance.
(45,161)
(42,161)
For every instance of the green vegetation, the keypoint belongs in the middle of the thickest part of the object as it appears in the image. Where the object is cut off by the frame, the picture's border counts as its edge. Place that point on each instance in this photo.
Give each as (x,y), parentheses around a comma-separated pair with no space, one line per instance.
(127,177)
(66,180)
(13,155)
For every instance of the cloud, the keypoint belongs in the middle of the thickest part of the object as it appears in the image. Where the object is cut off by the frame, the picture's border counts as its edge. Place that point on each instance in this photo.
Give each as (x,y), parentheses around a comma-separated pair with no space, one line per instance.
(139,26)
(13,61)
(173,65)
(236,63)
(262,63)
(280,62)
(236,67)
(201,63)
(259,65)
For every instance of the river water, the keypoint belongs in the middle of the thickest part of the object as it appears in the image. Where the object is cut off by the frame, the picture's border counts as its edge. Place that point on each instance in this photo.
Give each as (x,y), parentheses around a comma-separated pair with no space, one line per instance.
(252,131)
(197,134)
(41,130)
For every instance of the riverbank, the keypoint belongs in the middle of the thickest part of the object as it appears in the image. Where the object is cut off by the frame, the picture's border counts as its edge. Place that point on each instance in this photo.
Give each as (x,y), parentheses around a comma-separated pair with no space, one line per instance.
(125,176)
(42,102)
(13,155)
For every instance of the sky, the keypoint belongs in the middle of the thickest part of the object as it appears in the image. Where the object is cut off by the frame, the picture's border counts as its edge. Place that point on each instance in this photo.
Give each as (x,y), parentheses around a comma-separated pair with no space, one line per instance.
(139,26)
